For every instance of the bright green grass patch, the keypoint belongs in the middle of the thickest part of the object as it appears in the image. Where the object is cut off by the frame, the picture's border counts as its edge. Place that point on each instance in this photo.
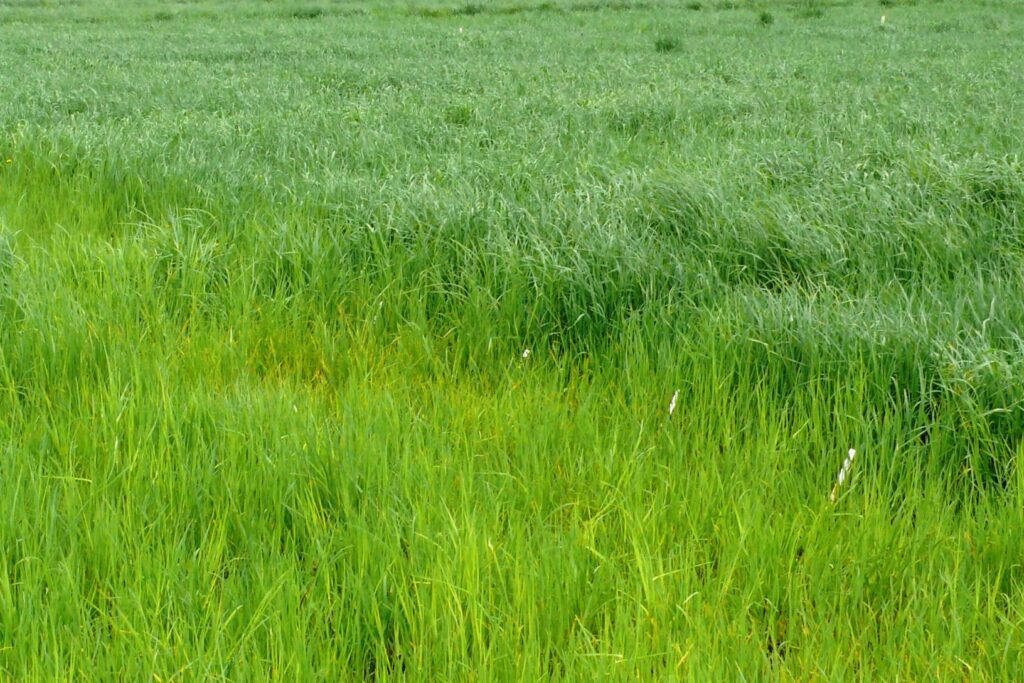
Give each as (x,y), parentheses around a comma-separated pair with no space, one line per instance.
(269,273)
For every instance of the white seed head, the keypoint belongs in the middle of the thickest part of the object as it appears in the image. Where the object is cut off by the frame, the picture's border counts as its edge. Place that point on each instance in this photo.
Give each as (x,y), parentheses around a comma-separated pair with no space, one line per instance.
(672,403)
(844,472)
(846,465)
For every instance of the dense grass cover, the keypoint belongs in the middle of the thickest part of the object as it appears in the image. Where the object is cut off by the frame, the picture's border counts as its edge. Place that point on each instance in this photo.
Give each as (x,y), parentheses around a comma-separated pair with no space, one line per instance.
(338,339)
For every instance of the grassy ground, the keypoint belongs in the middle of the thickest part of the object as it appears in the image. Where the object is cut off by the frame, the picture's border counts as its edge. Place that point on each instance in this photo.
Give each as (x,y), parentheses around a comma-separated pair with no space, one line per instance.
(338,340)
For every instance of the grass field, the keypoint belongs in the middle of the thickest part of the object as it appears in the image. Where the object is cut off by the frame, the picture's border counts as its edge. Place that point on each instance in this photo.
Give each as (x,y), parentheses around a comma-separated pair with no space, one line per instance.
(338,340)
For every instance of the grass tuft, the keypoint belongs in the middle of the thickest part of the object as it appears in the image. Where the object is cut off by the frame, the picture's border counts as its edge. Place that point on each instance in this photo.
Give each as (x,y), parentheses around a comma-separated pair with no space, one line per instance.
(311,12)
(667,44)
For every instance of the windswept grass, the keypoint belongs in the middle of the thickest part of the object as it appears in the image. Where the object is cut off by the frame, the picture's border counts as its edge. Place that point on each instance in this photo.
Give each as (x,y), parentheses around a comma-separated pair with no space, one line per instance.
(269,273)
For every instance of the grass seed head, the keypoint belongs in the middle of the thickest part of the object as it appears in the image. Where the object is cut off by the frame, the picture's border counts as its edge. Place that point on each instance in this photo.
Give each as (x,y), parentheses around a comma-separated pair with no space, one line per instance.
(844,472)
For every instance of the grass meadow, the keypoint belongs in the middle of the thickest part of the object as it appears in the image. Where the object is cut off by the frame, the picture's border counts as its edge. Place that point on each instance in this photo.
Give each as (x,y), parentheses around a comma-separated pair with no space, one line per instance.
(338,340)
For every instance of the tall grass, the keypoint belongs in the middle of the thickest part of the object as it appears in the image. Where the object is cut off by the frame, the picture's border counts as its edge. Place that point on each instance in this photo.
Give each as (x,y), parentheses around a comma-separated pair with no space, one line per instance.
(268,273)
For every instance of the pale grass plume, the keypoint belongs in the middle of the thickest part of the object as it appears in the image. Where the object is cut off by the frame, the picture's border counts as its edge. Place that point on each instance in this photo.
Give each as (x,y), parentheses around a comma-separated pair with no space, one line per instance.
(672,403)
(844,472)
